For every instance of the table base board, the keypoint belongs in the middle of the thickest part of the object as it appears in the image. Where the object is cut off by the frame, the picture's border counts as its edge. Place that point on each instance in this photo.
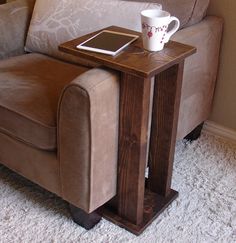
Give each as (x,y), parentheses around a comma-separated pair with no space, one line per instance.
(154,205)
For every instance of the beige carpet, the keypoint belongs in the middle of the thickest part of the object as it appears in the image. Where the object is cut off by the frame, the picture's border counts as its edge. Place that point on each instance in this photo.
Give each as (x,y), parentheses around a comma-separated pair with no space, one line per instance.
(204,175)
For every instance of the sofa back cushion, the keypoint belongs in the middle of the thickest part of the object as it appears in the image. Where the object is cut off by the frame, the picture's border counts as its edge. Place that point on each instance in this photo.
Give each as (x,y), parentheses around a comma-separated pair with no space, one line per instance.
(14,21)
(199,11)
(189,12)
(57,21)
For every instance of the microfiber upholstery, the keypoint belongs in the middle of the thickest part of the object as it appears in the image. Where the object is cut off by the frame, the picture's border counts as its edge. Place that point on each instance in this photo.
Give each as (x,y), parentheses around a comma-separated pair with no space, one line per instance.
(199,12)
(30,89)
(14,22)
(51,26)
(200,72)
(60,21)
(189,12)
(59,122)
(88,121)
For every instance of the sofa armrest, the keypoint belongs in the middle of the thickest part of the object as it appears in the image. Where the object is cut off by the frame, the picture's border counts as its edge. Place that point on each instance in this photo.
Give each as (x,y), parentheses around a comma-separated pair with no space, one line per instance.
(200,72)
(14,21)
(88,138)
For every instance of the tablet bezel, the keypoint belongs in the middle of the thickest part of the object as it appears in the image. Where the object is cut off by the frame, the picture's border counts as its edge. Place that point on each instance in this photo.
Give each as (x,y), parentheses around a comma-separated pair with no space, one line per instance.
(87,48)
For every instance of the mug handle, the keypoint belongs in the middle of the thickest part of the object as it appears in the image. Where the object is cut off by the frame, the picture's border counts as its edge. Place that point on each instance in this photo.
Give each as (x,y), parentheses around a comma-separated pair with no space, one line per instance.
(175,28)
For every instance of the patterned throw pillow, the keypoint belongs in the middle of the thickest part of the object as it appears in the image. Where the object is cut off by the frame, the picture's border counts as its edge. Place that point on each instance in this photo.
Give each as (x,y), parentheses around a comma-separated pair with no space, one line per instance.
(56,21)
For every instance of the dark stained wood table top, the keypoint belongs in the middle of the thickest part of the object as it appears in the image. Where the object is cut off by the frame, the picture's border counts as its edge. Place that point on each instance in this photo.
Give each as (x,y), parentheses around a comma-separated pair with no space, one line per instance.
(133,59)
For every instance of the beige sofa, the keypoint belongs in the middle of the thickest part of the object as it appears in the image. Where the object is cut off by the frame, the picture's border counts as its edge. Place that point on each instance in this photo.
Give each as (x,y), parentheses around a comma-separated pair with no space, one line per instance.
(59,114)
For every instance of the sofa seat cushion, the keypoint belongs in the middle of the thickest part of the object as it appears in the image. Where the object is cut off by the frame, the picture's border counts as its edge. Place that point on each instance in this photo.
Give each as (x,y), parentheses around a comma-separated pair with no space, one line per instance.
(30,87)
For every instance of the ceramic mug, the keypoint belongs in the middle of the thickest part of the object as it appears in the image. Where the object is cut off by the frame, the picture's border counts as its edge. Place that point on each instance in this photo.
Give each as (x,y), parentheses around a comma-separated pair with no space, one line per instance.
(155,32)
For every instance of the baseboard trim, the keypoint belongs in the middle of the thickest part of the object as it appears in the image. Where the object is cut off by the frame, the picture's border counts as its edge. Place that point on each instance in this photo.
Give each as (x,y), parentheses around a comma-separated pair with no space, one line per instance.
(220,131)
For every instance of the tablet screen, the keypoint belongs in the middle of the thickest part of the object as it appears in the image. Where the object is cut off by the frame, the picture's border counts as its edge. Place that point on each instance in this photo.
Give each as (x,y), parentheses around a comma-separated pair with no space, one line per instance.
(108,41)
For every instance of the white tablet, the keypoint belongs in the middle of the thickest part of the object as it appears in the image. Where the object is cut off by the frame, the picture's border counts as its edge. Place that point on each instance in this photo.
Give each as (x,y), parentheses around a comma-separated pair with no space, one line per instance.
(108,42)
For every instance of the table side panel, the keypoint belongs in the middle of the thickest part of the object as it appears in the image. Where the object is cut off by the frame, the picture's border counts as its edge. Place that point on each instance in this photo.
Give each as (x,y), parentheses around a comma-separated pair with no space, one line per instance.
(134,114)
(167,91)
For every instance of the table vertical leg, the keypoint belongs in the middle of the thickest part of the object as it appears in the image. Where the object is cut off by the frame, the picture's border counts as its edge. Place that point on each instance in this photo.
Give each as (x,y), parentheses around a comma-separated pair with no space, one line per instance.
(134,114)
(166,103)
(135,207)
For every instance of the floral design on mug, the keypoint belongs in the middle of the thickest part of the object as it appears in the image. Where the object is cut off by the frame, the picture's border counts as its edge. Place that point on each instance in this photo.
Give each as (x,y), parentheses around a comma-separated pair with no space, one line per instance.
(150,34)
(153,29)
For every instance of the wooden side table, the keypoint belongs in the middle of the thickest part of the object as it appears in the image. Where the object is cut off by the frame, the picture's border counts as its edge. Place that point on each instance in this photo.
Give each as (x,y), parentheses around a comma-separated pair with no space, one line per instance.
(139,201)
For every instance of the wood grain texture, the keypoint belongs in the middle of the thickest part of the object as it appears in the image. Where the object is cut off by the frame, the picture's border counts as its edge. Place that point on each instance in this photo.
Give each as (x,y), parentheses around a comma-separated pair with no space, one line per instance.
(134,113)
(134,207)
(166,101)
(154,205)
(133,59)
